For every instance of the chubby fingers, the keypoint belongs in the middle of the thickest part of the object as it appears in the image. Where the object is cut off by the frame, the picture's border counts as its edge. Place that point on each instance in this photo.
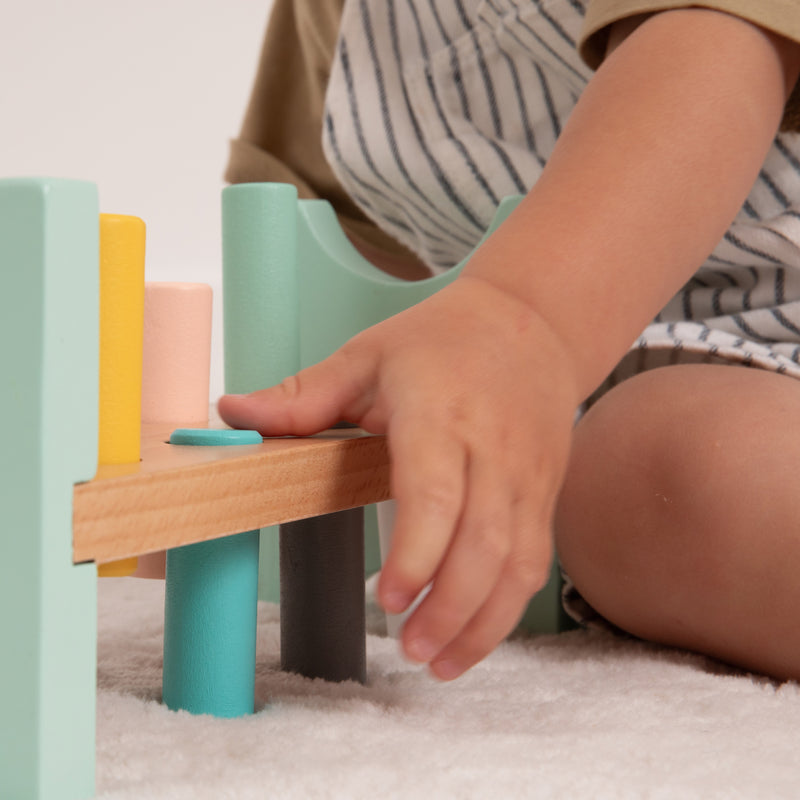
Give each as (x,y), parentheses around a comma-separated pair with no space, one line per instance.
(497,617)
(467,574)
(478,532)
(310,401)
(428,485)
(493,569)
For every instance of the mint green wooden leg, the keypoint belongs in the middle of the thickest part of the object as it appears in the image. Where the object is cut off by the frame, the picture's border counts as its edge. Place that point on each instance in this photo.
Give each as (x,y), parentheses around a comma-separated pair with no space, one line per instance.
(372,550)
(545,613)
(48,607)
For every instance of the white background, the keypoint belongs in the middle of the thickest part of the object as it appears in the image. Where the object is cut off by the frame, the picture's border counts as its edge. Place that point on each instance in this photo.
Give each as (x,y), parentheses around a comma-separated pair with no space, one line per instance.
(141,98)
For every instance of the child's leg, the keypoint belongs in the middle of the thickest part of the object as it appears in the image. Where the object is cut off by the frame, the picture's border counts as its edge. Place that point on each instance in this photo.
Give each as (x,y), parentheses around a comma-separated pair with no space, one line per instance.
(680,516)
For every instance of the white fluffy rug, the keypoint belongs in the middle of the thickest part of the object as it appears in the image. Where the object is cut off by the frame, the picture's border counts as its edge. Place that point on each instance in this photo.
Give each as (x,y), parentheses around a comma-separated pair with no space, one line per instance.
(573,716)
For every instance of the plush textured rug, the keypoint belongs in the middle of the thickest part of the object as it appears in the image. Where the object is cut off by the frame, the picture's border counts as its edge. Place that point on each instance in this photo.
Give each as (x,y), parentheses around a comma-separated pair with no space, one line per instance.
(580,715)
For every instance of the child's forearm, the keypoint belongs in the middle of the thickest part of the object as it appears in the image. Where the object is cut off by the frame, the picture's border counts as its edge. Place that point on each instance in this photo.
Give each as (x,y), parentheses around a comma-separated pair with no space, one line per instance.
(653,165)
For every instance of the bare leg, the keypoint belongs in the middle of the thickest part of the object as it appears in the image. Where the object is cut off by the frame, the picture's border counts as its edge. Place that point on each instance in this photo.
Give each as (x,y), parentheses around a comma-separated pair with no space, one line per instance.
(680,517)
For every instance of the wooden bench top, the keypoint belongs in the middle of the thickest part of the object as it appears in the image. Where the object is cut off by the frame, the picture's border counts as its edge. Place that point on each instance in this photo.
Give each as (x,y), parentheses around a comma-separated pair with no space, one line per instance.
(178,494)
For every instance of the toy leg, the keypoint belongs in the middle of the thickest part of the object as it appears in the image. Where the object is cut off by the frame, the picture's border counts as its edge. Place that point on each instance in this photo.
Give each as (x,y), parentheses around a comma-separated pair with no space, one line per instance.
(322,597)
(210,626)
(48,606)
(545,613)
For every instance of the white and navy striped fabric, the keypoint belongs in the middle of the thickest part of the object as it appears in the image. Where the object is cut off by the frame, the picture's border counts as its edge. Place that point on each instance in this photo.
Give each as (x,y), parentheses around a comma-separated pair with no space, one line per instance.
(437,109)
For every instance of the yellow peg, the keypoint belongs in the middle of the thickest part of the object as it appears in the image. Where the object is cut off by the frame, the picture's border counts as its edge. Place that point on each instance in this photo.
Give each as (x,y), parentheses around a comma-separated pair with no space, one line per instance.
(122,248)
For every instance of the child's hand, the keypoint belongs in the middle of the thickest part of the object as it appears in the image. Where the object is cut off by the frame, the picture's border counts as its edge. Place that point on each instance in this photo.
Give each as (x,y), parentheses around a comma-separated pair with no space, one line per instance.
(475,394)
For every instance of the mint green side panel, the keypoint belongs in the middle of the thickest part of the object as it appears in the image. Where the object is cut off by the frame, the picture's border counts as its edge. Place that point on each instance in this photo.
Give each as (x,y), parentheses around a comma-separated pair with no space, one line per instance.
(48,606)
(340,292)
(262,346)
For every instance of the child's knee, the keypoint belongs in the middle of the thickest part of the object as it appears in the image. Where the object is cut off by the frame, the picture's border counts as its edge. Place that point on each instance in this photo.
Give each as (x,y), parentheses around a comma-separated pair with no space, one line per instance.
(627,496)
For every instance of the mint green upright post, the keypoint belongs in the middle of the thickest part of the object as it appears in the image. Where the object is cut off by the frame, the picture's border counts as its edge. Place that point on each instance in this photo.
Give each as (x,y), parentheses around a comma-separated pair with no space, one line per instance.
(49,359)
(262,346)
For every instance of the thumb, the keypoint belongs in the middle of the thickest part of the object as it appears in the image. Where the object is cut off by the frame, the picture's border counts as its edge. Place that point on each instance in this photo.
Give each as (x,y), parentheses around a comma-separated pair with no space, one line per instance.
(313,400)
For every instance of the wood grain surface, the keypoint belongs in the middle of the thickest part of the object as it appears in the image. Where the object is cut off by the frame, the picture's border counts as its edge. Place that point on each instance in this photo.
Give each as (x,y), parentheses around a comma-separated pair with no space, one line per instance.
(178,495)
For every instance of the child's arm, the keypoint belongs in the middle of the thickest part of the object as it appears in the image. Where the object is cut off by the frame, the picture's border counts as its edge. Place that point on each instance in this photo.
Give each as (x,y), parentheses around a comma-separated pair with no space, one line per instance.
(656,160)
(476,387)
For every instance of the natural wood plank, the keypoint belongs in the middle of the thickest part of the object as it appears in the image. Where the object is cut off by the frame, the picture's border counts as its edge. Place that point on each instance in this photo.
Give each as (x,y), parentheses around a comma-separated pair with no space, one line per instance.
(179,494)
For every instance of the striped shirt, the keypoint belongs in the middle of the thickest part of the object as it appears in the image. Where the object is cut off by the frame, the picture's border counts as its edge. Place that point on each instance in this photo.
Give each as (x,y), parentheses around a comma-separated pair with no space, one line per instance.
(437,109)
